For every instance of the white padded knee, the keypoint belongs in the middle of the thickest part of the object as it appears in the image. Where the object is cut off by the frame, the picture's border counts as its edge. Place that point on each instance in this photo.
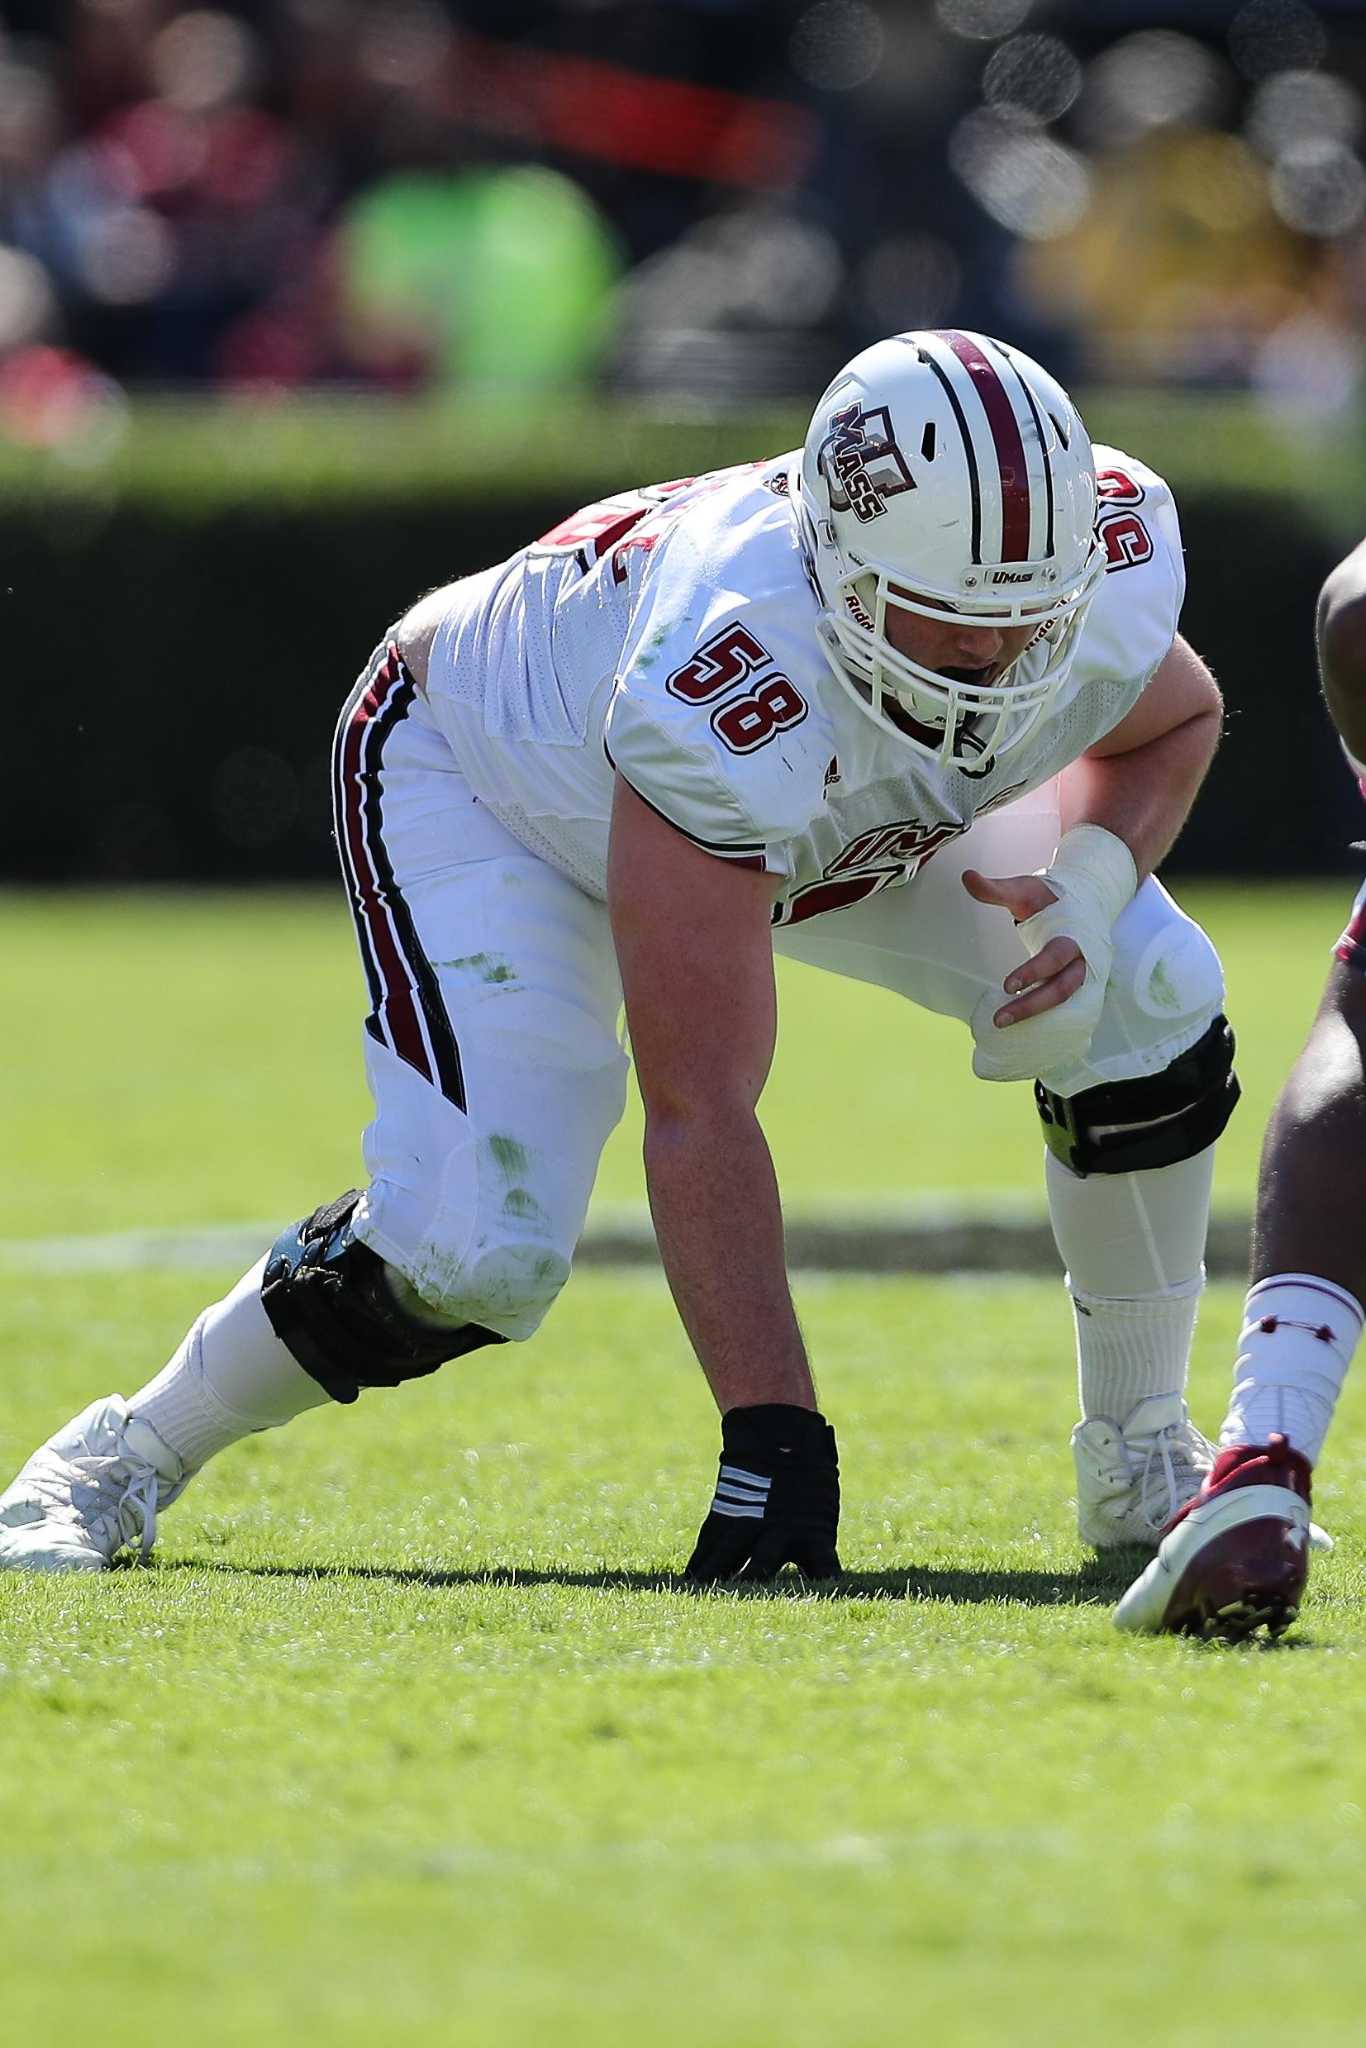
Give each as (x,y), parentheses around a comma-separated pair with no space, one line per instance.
(509,1288)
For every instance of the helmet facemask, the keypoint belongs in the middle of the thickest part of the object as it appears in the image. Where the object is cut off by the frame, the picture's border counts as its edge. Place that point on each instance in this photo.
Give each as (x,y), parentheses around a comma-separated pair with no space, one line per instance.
(961,723)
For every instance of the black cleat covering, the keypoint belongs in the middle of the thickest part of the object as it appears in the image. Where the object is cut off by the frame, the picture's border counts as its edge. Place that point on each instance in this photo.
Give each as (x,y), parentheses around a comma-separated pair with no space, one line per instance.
(328,1300)
(1158,1120)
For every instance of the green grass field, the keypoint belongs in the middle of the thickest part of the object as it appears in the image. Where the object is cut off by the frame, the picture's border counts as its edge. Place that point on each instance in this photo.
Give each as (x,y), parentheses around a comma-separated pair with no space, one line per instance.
(196,1059)
(412,1735)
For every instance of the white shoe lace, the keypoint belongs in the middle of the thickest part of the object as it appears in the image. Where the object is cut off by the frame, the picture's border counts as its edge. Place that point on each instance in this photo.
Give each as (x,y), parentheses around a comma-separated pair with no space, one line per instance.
(110,1497)
(1131,1482)
(1166,1469)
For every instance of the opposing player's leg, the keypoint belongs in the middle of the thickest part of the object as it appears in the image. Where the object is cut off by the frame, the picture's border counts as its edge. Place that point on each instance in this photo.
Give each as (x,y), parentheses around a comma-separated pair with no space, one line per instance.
(1129,1129)
(492,1057)
(1238,1558)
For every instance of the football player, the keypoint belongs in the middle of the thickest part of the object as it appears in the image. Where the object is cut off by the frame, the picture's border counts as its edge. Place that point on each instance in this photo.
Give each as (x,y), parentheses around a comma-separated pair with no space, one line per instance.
(1237,1556)
(908,703)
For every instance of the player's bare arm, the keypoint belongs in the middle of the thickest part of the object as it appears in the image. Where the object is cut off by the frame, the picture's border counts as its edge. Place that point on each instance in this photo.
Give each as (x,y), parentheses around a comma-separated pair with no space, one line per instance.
(692,936)
(417,630)
(693,943)
(1138,784)
(1140,781)
(1342,649)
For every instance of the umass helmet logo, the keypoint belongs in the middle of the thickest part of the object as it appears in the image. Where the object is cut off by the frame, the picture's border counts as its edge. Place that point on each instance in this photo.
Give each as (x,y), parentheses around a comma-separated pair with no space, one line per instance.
(861,462)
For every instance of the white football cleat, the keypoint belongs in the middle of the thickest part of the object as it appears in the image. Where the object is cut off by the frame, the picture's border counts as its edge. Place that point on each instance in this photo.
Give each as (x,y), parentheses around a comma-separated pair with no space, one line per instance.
(88,1493)
(1132,1477)
(1237,1558)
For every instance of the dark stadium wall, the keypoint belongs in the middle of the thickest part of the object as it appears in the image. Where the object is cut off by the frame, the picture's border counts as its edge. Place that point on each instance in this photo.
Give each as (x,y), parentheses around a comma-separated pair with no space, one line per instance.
(1279,798)
(179,673)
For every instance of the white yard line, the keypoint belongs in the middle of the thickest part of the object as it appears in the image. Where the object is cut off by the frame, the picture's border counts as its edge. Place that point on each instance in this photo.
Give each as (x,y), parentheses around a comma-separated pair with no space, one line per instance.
(932,1234)
(118,1251)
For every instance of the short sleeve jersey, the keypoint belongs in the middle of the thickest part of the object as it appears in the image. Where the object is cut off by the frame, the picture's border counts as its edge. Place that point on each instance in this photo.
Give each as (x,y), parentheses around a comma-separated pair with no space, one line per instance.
(671,640)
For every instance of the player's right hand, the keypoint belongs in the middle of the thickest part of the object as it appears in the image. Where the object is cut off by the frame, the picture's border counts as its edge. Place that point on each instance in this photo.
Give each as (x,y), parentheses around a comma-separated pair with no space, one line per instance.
(777,1499)
(1065,914)
(1056,995)
(1050,976)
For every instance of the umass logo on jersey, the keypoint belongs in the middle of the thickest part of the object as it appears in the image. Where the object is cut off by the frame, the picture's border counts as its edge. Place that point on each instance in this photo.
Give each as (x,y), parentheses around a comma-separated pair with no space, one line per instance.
(861,462)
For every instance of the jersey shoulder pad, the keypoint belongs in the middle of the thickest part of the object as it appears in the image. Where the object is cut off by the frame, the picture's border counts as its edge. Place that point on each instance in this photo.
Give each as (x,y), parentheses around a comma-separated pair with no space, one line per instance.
(717,716)
(1133,617)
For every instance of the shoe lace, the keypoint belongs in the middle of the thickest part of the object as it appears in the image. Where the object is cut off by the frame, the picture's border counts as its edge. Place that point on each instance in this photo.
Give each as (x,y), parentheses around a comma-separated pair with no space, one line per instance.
(119,1496)
(1167,1468)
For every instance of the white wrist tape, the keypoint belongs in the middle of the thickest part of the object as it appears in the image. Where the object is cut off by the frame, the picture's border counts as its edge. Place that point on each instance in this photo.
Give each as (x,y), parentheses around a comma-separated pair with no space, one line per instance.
(1092,875)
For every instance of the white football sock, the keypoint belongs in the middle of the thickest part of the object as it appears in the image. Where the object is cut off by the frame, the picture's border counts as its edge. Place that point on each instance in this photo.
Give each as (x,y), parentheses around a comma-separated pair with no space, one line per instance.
(1128,1351)
(1299,1334)
(1134,1246)
(230,1377)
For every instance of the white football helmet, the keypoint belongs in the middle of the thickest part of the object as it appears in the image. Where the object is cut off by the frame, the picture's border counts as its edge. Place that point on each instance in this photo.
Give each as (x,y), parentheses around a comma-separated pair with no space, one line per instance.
(945,472)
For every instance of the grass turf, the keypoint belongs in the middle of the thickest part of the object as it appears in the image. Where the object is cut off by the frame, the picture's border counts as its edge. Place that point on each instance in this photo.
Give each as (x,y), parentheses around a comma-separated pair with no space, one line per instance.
(193,1059)
(411,1734)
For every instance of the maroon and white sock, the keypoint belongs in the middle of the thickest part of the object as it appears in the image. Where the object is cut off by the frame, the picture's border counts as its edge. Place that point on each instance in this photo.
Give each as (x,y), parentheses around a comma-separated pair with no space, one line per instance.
(1299,1334)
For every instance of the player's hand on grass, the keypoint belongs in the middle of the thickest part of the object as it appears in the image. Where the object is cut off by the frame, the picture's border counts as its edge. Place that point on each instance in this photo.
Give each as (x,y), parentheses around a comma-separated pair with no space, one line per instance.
(777,1498)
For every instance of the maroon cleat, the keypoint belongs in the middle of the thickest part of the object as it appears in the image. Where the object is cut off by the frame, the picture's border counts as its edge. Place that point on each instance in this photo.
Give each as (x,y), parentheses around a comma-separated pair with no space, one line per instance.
(1236,1557)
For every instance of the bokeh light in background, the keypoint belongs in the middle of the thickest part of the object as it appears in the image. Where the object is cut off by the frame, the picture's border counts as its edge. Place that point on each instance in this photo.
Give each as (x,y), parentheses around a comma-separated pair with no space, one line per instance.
(1267,36)
(1032,79)
(697,203)
(1154,79)
(837,44)
(1030,183)
(985,18)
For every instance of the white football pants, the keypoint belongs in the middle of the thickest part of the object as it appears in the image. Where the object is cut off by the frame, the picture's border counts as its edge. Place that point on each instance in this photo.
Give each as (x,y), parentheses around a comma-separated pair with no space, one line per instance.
(492,1048)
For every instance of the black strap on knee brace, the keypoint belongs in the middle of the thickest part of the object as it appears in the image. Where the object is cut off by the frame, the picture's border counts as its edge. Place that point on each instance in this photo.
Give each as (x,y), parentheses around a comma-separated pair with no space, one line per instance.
(328,1300)
(1157,1120)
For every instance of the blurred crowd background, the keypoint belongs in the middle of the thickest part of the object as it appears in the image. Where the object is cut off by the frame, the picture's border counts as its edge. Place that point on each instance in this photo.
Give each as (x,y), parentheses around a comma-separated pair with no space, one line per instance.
(348,297)
(702,200)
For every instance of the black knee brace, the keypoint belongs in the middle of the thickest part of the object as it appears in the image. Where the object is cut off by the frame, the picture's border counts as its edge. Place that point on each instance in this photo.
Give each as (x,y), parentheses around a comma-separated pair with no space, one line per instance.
(1159,1120)
(328,1300)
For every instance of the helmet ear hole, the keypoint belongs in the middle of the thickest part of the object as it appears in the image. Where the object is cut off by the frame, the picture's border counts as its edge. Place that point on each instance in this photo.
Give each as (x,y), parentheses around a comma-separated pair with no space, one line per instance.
(927,440)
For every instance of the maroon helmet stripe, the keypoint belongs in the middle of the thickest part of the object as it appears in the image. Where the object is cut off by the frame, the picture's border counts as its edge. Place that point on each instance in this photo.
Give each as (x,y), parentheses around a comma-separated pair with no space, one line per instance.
(1010,454)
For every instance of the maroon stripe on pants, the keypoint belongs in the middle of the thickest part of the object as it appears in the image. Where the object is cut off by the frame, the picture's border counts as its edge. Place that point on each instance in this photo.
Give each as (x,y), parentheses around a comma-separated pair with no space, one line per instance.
(400,1008)
(1005,432)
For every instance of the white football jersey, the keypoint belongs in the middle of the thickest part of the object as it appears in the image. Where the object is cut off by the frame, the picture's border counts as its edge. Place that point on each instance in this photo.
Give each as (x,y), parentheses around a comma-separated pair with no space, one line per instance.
(668,636)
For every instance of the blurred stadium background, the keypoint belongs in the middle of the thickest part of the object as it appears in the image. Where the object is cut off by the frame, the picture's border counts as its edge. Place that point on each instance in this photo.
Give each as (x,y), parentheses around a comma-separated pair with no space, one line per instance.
(305,306)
